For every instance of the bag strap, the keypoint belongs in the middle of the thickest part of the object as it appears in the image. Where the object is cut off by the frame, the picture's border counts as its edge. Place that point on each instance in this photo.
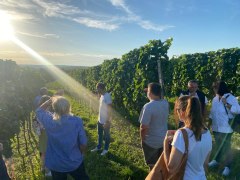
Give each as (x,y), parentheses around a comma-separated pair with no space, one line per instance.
(185,137)
(225,106)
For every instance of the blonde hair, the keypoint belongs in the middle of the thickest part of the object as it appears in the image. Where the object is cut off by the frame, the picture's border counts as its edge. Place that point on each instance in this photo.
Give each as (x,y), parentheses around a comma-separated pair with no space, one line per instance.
(61,106)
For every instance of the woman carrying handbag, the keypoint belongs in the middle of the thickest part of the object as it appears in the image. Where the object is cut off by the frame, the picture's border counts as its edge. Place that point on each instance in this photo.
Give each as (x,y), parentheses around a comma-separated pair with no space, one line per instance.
(186,154)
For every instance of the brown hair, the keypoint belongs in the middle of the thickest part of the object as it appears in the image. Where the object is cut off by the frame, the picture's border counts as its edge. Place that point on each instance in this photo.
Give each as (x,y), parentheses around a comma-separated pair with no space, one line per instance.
(155,89)
(180,103)
(194,118)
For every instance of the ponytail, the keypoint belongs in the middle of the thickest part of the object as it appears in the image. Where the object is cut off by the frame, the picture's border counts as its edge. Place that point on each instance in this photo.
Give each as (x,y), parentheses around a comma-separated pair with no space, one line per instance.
(194,118)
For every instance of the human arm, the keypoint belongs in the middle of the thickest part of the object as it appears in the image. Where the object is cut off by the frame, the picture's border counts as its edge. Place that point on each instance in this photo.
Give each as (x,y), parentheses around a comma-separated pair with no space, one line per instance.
(108,122)
(143,131)
(172,156)
(43,116)
(145,119)
(232,104)
(82,138)
(206,162)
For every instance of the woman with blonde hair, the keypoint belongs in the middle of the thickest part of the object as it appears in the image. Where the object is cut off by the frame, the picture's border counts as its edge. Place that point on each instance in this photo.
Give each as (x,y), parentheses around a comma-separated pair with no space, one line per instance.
(66,139)
(199,141)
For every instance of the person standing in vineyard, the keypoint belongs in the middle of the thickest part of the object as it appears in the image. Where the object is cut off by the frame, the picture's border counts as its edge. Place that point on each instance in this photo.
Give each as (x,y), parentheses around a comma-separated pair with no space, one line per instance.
(224,108)
(3,169)
(153,128)
(67,139)
(104,119)
(194,91)
(43,91)
(41,133)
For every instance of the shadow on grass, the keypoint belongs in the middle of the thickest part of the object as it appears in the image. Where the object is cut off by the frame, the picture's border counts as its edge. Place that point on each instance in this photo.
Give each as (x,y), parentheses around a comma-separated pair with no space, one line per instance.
(110,167)
(216,172)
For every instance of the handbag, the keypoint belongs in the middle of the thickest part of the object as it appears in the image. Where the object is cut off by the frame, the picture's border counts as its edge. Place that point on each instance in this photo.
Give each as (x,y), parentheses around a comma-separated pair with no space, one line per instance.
(160,171)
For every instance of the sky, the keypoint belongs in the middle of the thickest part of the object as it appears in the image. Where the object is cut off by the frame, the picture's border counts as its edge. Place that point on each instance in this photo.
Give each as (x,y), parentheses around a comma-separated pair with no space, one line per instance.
(87,32)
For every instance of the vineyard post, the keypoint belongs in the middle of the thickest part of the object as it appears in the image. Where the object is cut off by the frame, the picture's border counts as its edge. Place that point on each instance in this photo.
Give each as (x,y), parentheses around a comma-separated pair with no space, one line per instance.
(160,76)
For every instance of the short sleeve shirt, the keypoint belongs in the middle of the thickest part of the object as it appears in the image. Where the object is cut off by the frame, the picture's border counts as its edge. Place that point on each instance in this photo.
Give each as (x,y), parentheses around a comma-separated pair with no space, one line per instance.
(104,101)
(155,115)
(197,153)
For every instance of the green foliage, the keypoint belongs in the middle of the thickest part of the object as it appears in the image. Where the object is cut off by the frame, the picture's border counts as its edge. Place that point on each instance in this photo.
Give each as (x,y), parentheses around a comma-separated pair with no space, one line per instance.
(207,67)
(18,86)
(126,78)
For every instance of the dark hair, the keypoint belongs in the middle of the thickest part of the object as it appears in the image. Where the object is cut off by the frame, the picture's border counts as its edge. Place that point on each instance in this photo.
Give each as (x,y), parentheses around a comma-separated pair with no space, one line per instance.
(222,88)
(100,85)
(155,89)
(193,81)
(43,91)
(43,99)
(194,118)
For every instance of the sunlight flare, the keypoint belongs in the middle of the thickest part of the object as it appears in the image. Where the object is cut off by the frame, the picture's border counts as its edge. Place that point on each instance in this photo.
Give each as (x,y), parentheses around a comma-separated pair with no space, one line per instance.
(6,29)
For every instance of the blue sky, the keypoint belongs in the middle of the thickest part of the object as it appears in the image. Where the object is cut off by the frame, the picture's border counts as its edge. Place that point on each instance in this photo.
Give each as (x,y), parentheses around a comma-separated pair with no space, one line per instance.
(85,32)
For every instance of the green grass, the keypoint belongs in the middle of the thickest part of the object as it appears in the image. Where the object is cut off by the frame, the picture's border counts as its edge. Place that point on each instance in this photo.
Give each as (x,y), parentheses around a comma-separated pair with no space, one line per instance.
(125,158)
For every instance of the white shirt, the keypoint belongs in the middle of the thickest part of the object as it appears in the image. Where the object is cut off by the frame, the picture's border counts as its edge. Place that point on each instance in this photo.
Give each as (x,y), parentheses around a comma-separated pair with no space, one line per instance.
(197,153)
(105,100)
(219,115)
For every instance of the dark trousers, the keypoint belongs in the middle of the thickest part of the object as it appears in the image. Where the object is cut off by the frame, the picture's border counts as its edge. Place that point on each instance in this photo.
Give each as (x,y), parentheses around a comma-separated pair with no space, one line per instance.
(224,153)
(151,155)
(103,133)
(3,169)
(78,174)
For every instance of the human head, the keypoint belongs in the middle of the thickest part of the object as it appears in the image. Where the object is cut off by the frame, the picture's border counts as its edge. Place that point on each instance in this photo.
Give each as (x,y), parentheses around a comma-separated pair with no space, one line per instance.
(43,99)
(192,115)
(192,86)
(100,87)
(215,86)
(43,91)
(180,103)
(61,106)
(222,88)
(154,91)
(60,92)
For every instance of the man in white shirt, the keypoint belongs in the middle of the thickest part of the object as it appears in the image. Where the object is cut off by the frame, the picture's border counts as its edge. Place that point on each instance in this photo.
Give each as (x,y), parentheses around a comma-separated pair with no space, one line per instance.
(104,118)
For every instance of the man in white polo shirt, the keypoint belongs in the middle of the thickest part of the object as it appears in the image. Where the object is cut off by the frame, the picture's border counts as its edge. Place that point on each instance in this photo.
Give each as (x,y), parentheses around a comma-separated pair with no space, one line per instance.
(104,118)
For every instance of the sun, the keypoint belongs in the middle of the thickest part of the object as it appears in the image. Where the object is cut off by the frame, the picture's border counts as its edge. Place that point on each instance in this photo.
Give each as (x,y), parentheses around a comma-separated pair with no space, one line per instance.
(6,29)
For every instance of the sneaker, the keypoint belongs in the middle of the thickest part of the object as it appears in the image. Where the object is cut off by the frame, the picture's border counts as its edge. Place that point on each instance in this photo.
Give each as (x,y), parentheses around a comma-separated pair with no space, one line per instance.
(213,163)
(226,171)
(95,149)
(104,152)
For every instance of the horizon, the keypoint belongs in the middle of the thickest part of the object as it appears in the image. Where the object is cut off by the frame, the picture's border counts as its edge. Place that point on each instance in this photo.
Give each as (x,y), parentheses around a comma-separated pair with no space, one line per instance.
(86,33)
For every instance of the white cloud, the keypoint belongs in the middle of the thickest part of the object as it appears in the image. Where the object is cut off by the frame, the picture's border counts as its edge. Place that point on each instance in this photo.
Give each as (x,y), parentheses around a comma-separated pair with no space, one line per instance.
(97,23)
(33,10)
(145,24)
(44,36)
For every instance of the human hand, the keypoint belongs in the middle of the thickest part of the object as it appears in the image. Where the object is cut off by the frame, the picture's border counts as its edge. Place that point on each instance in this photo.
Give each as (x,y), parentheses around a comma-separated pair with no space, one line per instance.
(106,125)
(224,100)
(169,136)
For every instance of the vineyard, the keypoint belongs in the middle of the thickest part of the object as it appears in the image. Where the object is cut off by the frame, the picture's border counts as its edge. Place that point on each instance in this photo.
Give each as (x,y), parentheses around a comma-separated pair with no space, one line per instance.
(125,79)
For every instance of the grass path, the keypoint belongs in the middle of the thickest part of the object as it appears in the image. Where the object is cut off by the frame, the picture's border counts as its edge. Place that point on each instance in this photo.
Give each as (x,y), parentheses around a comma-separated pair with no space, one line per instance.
(125,157)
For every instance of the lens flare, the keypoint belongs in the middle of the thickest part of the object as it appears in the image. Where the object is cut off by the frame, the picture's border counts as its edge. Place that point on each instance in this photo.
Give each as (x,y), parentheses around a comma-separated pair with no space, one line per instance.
(6,29)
